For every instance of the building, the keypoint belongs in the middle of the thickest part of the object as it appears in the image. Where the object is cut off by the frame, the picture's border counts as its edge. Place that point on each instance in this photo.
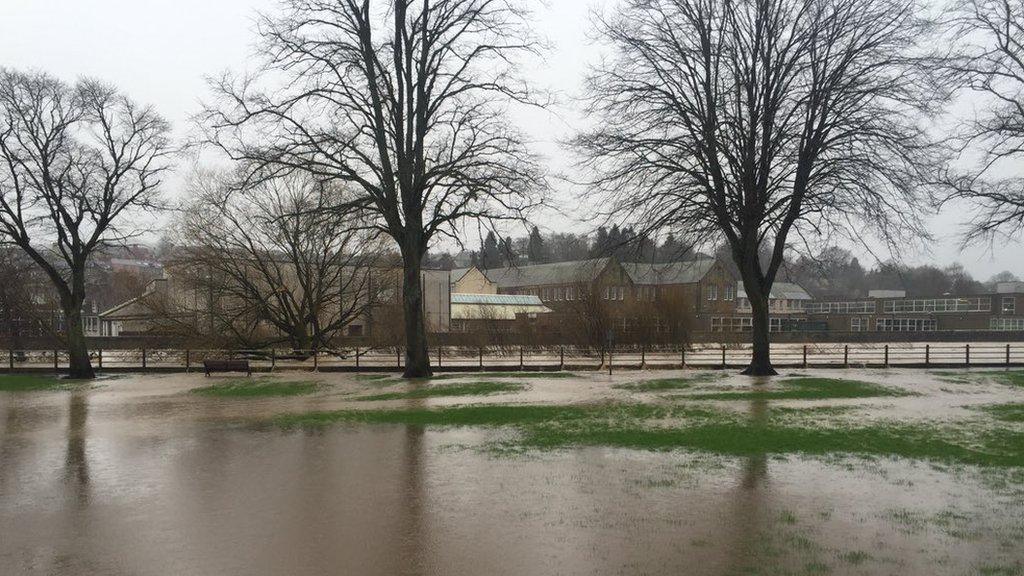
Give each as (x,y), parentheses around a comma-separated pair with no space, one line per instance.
(894,311)
(494,313)
(787,304)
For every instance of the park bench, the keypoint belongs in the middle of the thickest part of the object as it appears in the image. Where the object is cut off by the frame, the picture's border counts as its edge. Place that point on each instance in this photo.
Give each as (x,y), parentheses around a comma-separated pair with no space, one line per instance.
(219,365)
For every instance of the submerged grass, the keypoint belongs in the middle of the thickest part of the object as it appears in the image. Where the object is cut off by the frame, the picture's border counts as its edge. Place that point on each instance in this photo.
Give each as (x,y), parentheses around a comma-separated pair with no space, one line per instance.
(663,384)
(33,383)
(525,374)
(1006,412)
(1005,377)
(257,387)
(806,389)
(659,427)
(468,389)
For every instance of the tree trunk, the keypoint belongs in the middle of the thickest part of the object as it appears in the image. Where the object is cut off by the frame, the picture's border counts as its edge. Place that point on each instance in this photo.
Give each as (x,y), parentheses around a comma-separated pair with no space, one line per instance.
(78,350)
(417,360)
(760,362)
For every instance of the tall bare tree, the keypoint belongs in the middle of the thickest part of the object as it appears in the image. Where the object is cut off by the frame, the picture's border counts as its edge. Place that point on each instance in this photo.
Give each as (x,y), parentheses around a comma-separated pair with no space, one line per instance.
(278,254)
(78,161)
(988,59)
(763,122)
(404,99)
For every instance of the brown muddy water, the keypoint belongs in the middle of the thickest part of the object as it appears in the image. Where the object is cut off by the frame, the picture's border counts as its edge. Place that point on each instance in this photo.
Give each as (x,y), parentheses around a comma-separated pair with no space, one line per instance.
(136,476)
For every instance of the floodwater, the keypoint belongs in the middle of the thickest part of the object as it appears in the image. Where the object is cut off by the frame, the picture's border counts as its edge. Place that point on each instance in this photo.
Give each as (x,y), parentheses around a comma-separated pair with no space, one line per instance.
(138,477)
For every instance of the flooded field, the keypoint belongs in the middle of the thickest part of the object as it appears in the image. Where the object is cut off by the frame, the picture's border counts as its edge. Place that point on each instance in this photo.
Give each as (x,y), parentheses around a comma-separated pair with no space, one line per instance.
(645,472)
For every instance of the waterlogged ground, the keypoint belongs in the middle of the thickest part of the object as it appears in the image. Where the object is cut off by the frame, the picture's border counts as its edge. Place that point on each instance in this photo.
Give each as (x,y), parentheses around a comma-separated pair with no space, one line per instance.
(656,472)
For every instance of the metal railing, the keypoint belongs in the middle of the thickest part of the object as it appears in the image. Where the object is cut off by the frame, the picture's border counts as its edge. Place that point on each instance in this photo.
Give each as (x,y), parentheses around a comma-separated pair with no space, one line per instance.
(464,358)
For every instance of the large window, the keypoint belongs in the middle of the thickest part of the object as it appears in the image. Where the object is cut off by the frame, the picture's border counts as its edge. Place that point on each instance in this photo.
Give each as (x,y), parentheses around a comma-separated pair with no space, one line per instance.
(1007,324)
(614,292)
(939,305)
(860,307)
(905,324)
(741,324)
(1009,305)
(712,292)
(730,292)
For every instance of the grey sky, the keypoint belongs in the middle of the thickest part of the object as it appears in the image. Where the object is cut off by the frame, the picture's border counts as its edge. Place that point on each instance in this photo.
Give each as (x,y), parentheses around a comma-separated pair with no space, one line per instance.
(158,51)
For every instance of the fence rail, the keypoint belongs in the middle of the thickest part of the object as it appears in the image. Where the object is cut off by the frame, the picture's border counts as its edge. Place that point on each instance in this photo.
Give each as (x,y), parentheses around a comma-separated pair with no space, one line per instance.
(463,358)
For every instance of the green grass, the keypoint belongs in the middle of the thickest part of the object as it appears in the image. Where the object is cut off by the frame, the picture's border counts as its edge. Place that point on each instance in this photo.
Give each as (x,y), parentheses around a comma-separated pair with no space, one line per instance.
(662,384)
(32,383)
(524,374)
(1005,377)
(1006,412)
(468,389)
(805,389)
(659,427)
(257,387)
(371,377)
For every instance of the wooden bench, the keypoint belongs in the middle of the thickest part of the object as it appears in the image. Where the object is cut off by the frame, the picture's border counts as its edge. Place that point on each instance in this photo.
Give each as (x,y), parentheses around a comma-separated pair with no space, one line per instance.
(227,366)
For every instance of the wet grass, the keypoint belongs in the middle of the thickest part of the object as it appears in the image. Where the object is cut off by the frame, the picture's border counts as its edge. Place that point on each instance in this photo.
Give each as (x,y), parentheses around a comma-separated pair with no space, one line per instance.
(524,374)
(1004,377)
(806,389)
(657,427)
(469,389)
(664,384)
(1006,412)
(32,383)
(257,387)
(371,377)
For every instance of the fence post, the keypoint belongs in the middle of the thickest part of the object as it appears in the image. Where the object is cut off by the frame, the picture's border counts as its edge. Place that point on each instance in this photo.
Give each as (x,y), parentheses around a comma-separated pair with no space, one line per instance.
(805,355)
(99,358)
(610,348)
(10,358)
(846,356)
(188,360)
(398,357)
(886,355)
(723,356)
(927,355)
(480,350)
(561,356)
(643,355)
(1007,354)
(143,358)
(54,360)
(316,360)
(357,358)
(967,353)
(520,358)
(438,356)
(273,358)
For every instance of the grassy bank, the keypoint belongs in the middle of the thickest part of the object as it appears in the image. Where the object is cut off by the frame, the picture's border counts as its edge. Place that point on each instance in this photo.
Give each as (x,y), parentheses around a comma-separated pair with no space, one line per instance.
(658,427)
(257,387)
(32,383)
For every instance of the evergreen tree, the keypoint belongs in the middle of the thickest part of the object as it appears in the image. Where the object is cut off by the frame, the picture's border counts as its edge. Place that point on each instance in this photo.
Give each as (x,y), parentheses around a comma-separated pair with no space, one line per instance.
(536,250)
(490,254)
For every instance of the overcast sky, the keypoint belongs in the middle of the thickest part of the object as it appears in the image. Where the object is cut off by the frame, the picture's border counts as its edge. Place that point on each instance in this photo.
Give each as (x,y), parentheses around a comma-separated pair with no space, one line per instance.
(157,51)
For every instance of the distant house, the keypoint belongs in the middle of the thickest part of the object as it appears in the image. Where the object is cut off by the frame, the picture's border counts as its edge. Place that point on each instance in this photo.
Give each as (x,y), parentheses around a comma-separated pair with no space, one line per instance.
(471,281)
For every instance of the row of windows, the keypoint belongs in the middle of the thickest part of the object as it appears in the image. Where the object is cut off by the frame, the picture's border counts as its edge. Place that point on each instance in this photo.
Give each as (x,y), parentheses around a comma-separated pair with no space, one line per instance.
(905,324)
(728,293)
(777,304)
(863,307)
(939,305)
(1007,324)
(570,293)
(741,324)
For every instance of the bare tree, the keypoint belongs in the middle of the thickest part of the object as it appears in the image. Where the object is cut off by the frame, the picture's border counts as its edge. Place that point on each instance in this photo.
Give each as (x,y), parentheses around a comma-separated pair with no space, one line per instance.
(404,99)
(278,254)
(762,122)
(988,60)
(77,162)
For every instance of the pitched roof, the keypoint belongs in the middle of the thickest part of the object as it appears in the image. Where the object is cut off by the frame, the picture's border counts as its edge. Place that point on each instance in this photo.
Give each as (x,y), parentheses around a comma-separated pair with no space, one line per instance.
(687,272)
(780,291)
(497,299)
(547,274)
(458,273)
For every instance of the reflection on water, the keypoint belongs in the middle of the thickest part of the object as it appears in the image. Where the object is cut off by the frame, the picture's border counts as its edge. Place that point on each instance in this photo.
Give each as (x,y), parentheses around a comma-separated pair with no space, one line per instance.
(96,487)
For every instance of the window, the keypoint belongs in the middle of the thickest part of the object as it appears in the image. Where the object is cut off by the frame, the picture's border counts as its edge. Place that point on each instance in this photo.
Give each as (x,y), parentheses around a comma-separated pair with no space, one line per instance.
(545,294)
(939,305)
(1009,305)
(1007,324)
(905,324)
(862,307)
(730,293)
(355,330)
(570,293)
(712,292)
(731,323)
(856,325)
